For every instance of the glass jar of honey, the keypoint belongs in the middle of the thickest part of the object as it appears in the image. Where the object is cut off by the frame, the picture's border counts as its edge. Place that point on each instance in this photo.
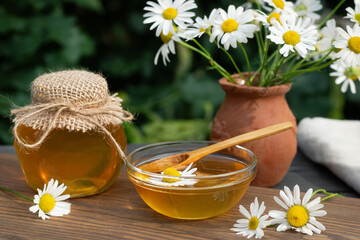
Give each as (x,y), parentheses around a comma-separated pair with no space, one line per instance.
(85,153)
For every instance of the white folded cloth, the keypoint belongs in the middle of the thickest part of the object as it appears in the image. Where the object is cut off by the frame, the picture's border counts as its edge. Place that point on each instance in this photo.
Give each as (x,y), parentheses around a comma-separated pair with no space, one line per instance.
(335,144)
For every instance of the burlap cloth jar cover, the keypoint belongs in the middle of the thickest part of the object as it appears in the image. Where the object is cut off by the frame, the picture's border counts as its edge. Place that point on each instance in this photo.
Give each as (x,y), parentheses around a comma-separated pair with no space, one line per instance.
(76,100)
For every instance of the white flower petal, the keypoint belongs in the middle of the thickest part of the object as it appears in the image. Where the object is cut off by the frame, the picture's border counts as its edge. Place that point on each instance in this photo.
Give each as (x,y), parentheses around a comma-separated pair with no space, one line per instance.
(317,224)
(283,227)
(261,210)
(315,207)
(318,213)
(278,201)
(313,228)
(297,195)
(307,196)
(34,208)
(285,198)
(277,214)
(306,230)
(289,195)
(244,212)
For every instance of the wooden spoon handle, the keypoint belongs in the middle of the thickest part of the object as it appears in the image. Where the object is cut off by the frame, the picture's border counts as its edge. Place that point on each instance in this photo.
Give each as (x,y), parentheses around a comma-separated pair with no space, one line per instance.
(243,138)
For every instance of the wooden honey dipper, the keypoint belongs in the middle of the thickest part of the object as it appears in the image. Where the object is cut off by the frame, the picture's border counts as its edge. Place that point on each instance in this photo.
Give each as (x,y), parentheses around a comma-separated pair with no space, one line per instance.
(181,160)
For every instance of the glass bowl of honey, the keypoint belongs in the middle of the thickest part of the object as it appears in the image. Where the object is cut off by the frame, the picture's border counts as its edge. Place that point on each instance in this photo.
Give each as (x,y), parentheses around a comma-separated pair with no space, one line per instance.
(206,188)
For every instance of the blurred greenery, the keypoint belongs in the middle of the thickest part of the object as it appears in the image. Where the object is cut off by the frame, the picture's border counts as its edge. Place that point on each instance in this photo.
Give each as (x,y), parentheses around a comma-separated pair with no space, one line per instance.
(176,102)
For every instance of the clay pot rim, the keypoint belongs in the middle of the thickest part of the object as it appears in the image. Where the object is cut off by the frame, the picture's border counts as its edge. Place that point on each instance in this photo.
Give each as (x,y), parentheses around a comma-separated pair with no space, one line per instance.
(230,87)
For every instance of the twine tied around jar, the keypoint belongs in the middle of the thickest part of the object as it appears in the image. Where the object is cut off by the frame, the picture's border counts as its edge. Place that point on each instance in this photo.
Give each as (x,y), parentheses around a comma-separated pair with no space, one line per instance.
(74,100)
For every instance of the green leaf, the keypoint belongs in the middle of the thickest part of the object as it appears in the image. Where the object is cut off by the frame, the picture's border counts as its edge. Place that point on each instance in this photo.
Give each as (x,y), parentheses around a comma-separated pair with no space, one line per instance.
(133,133)
(10,22)
(200,91)
(94,5)
(176,130)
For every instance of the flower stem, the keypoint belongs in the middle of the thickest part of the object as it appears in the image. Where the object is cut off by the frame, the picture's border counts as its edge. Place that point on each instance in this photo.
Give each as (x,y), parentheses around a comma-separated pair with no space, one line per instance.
(248,64)
(260,45)
(8,190)
(264,64)
(330,15)
(330,195)
(233,62)
(201,47)
(298,72)
(277,69)
(213,63)
(300,63)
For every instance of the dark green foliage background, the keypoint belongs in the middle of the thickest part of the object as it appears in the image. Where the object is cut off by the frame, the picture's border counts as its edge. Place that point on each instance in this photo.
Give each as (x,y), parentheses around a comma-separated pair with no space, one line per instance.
(176,102)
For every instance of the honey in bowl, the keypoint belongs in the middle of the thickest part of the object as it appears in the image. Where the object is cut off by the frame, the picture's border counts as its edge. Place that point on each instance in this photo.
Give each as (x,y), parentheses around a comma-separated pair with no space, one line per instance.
(219,182)
(85,162)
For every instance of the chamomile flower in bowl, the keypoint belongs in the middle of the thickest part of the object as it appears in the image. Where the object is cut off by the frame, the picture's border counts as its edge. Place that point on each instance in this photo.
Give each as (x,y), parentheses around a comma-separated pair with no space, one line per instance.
(206,188)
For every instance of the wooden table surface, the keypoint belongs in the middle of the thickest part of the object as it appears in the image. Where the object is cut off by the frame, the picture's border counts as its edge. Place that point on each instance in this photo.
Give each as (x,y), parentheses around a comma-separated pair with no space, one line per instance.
(119,213)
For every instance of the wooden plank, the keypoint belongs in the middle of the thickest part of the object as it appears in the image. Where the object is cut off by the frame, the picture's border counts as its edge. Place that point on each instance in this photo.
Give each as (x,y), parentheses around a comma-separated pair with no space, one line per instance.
(119,213)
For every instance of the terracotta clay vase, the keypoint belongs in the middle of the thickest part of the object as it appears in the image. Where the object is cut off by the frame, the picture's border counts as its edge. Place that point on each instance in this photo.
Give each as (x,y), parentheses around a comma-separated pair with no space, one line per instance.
(247,108)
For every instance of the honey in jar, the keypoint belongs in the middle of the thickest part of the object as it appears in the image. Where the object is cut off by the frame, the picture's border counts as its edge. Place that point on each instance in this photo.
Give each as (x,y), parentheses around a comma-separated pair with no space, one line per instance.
(85,162)
(72,132)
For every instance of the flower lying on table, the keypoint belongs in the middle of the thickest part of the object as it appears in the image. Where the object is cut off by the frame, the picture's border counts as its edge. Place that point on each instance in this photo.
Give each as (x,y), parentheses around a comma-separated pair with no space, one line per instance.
(299,215)
(49,201)
(252,226)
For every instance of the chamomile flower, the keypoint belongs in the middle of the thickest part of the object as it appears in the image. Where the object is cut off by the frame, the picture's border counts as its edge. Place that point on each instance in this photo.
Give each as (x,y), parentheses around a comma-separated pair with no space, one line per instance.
(167,47)
(354,14)
(307,8)
(164,181)
(296,34)
(233,26)
(165,13)
(346,75)
(349,43)
(282,5)
(266,19)
(328,35)
(298,215)
(49,202)
(201,25)
(254,222)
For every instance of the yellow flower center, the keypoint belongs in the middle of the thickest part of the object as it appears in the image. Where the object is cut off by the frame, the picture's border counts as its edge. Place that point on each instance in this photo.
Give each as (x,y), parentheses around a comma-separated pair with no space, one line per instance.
(317,47)
(354,44)
(297,216)
(166,38)
(170,13)
(46,203)
(229,25)
(279,3)
(357,17)
(291,37)
(353,73)
(171,172)
(253,223)
(274,15)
